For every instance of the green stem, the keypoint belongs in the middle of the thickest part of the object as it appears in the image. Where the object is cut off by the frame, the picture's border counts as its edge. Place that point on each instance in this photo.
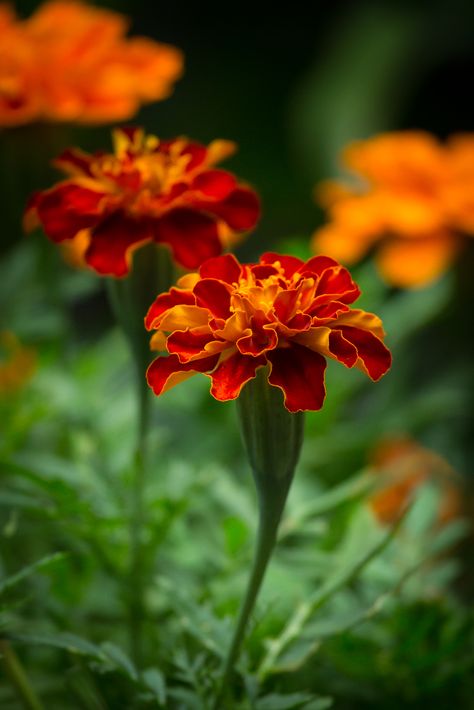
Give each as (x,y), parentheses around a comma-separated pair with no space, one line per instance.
(137,578)
(15,672)
(273,437)
(152,272)
(271,510)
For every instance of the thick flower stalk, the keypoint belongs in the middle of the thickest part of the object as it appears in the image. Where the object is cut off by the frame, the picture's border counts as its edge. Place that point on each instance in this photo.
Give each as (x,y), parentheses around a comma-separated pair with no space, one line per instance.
(228,320)
(262,333)
(147,190)
(71,62)
(412,200)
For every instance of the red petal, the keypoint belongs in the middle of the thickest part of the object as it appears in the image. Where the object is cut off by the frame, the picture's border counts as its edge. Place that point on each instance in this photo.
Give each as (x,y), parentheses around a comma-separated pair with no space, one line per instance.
(192,236)
(215,296)
(285,304)
(329,311)
(261,339)
(174,192)
(263,271)
(214,183)
(299,372)
(165,301)
(225,268)
(111,241)
(374,358)
(291,264)
(232,374)
(342,349)
(75,162)
(188,343)
(161,371)
(318,264)
(197,153)
(66,209)
(338,282)
(300,322)
(240,210)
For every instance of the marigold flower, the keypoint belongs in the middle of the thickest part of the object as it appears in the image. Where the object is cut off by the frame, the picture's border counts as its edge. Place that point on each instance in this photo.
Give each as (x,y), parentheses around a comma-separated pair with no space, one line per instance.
(229,319)
(17,363)
(148,190)
(401,466)
(414,200)
(72,62)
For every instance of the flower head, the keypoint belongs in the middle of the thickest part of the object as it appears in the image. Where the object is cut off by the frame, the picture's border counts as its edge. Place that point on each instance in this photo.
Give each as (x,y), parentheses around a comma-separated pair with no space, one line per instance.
(147,190)
(413,200)
(229,319)
(402,466)
(71,62)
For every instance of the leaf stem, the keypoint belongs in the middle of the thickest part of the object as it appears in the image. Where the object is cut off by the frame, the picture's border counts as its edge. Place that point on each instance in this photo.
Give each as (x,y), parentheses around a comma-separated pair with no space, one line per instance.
(19,680)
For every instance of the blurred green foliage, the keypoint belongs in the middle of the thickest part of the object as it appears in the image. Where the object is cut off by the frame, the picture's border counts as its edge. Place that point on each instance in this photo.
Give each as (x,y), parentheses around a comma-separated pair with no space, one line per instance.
(354,615)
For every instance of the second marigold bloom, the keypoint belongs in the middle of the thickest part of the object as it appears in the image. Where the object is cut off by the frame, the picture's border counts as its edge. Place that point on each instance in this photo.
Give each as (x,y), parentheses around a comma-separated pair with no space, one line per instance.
(229,319)
(146,191)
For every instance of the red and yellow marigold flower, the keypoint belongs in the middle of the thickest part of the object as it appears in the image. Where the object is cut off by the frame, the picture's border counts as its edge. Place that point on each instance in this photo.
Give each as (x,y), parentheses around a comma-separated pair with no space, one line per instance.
(413,200)
(72,62)
(148,190)
(229,320)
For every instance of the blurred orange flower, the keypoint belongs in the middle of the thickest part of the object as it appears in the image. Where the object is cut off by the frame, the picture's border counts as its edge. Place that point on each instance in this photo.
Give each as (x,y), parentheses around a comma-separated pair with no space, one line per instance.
(17,363)
(148,190)
(402,466)
(72,62)
(414,198)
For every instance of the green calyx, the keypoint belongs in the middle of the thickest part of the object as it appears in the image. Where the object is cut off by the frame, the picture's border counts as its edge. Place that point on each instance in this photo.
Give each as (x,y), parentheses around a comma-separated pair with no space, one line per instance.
(273,437)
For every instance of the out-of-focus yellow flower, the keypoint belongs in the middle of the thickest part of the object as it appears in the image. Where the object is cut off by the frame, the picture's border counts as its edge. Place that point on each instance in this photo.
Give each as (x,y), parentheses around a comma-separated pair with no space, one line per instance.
(413,199)
(17,363)
(72,62)
(402,466)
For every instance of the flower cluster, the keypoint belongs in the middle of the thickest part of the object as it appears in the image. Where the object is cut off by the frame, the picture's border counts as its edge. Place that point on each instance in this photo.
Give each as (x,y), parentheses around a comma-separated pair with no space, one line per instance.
(415,199)
(229,319)
(71,62)
(148,190)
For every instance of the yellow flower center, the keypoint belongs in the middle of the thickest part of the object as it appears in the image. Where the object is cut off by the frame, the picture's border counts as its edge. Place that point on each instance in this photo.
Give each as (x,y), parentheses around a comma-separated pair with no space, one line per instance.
(253,294)
(150,173)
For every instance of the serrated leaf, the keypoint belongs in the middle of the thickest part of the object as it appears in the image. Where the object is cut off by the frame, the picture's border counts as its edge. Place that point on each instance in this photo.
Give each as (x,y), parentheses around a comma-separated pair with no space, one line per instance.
(119,659)
(328,501)
(349,564)
(155,681)
(66,641)
(297,655)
